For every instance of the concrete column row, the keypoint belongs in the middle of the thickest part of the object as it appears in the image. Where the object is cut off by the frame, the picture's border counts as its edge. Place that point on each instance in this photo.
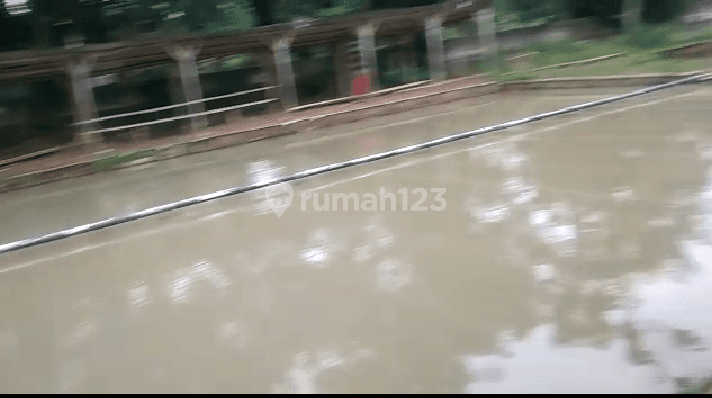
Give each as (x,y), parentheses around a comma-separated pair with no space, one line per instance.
(487,35)
(278,67)
(434,44)
(367,49)
(285,72)
(82,99)
(85,105)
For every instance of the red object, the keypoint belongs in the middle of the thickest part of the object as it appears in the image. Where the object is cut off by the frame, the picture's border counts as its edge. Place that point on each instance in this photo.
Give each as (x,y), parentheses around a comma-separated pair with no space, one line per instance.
(360,85)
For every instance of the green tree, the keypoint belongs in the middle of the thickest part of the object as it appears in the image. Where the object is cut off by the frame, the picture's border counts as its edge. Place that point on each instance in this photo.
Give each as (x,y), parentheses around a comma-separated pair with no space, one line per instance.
(200,14)
(526,10)
(240,16)
(177,16)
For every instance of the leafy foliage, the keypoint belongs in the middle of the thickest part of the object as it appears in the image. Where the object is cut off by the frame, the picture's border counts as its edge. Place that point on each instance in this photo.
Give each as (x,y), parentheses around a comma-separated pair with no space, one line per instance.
(189,15)
(524,11)
(102,20)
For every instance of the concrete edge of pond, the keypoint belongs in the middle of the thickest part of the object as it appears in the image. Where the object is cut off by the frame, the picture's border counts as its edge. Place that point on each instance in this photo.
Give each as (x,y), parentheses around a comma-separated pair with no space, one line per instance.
(239,137)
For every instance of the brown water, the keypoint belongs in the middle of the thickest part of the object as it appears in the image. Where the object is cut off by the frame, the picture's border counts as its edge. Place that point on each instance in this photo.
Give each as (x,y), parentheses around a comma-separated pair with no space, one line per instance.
(571,256)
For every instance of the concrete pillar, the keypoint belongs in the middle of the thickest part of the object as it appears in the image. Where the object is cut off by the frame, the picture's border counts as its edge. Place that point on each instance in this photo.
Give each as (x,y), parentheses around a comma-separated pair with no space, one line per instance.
(487,33)
(83,101)
(434,43)
(285,72)
(343,71)
(190,82)
(367,48)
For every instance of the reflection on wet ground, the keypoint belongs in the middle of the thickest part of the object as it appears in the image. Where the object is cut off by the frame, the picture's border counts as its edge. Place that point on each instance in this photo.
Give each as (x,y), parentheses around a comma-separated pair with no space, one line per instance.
(574,255)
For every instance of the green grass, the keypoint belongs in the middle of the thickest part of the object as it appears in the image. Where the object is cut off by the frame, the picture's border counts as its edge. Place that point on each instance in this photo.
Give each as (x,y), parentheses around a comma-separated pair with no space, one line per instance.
(625,65)
(642,46)
(571,51)
(112,161)
(235,61)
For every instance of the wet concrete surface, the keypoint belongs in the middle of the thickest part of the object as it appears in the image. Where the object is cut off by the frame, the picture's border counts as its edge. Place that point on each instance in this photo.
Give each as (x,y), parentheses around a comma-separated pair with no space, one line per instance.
(572,255)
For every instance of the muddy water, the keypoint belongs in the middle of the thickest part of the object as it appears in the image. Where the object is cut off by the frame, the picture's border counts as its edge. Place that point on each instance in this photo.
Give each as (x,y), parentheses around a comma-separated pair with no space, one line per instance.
(570,255)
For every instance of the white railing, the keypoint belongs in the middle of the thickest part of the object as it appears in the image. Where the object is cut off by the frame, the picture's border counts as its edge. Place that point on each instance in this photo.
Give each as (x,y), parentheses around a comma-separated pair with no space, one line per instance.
(163,108)
(174,118)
